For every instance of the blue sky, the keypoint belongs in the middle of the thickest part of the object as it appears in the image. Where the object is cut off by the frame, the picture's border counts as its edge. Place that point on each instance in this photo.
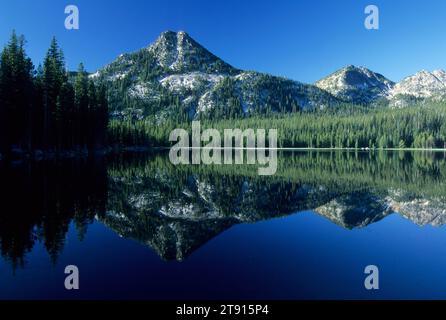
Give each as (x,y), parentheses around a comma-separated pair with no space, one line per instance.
(300,39)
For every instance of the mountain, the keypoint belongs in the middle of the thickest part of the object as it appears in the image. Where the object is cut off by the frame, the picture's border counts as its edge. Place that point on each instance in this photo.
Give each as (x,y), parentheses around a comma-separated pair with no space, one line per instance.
(360,85)
(177,77)
(421,86)
(356,85)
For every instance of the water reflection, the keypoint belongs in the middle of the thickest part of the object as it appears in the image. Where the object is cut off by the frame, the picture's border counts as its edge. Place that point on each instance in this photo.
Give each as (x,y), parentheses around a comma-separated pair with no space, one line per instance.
(175,210)
(40,200)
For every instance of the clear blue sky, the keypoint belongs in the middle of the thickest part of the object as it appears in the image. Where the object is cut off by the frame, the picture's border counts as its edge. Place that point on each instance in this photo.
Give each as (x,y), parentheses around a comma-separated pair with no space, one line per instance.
(300,39)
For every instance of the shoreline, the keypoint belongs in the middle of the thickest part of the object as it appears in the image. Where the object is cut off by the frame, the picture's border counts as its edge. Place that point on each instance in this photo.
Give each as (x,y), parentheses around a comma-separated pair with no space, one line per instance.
(39,155)
(143,149)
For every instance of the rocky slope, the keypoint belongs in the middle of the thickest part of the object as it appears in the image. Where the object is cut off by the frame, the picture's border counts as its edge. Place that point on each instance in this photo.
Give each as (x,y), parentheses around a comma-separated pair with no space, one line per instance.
(423,86)
(356,85)
(359,85)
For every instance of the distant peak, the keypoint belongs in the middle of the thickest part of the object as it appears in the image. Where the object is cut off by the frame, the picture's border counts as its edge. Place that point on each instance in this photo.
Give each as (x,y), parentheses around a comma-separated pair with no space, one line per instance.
(356,84)
(425,72)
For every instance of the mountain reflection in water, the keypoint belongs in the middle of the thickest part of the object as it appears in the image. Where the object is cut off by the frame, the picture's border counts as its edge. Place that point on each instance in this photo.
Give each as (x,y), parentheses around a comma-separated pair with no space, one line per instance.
(175,210)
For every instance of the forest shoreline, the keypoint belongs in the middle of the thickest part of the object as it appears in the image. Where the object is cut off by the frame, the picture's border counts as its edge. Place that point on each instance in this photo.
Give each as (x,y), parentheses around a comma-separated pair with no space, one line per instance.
(40,155)
(143,149)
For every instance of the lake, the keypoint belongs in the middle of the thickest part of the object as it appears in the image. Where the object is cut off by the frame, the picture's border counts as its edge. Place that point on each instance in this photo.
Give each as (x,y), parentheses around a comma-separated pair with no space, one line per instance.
(138,227)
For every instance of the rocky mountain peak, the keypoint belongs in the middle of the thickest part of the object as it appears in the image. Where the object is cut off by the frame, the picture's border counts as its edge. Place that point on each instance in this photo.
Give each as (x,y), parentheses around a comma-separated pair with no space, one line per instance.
(356,84)
(177,51)
(423,84)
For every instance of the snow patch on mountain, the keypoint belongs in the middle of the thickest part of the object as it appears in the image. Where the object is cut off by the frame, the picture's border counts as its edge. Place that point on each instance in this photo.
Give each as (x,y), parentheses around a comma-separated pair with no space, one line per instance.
(139,91)
(95,75)
(190,81)
(118,76)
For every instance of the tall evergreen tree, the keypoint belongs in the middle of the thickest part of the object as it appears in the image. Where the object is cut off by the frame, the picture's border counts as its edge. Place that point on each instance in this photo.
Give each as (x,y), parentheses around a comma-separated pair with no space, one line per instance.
(66,123)
(38,110)
(92,115)
(81,103)
(102,115)
(16,89)
(54,77)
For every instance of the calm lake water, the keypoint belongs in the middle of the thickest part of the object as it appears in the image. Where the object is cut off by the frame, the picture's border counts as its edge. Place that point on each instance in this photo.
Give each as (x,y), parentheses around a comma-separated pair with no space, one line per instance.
(138,227)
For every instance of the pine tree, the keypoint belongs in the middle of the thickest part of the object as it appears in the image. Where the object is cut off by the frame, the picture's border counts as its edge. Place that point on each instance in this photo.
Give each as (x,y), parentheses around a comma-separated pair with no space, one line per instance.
(81,103)
(102,115)
(54,77)
(92,115)
(38,110)
(66,124)
(16,90)
(443,135)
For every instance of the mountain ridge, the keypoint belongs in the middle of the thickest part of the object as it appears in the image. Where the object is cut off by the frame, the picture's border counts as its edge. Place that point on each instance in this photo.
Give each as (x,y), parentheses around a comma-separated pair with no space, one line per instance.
(176,74)
(176,77)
